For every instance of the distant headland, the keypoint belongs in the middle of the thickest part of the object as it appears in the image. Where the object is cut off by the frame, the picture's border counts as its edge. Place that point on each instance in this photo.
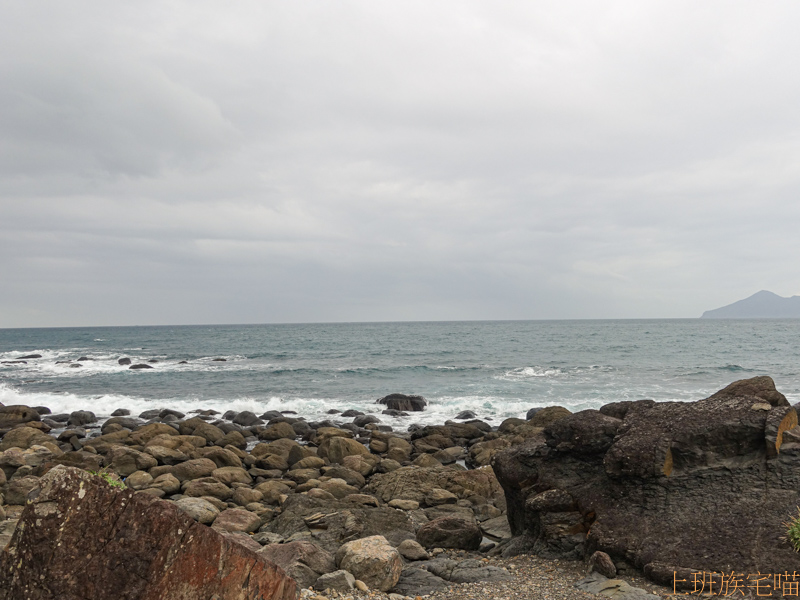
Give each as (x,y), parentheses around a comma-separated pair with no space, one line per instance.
(761,305)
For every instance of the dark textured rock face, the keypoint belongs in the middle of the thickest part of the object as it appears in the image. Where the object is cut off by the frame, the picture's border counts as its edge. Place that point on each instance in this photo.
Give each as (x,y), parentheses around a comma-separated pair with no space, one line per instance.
(403,402)
(669,486)
(81,539)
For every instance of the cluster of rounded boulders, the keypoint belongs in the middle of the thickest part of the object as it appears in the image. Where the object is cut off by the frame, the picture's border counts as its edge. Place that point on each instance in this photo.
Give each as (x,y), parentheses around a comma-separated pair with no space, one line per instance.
(275,480)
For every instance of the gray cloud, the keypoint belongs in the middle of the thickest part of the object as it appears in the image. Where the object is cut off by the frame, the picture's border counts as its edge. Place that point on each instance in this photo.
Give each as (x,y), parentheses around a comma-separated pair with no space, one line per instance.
(179,162)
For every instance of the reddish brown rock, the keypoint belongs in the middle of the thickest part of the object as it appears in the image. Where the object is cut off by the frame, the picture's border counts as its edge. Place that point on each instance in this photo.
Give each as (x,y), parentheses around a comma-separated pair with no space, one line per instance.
(82,539)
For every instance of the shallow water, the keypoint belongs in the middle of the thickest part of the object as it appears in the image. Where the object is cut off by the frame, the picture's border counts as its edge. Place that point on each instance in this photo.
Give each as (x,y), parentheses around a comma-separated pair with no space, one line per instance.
(496,369)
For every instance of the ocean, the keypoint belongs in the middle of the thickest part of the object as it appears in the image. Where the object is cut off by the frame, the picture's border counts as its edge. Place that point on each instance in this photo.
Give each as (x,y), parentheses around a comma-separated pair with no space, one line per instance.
(497,369)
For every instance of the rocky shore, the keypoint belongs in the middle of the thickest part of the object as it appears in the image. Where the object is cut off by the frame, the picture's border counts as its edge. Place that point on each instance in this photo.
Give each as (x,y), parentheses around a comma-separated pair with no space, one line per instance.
(348,506)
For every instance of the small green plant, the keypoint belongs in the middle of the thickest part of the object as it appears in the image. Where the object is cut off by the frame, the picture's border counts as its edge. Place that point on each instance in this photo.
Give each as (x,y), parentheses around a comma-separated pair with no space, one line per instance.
(110,478)
(793,531)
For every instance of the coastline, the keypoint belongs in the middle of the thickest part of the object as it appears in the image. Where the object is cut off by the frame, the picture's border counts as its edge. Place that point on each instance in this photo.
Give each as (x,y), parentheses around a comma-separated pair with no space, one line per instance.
(443,502)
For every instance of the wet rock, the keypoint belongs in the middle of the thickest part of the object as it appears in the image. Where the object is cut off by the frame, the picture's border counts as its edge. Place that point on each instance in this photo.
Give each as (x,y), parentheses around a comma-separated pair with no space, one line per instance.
(246,419)
(115,540)
(79,418)
(364,420)
(124,361)
(371,560)
(141,366)
(403,402)
(542,417)
(465,414)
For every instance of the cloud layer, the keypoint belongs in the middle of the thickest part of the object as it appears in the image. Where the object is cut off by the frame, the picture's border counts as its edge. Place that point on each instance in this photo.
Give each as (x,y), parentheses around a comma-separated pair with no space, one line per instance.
(194,162)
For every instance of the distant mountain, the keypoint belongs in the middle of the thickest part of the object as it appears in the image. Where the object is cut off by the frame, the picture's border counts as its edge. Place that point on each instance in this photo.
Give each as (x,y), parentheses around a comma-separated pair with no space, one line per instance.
(761,305)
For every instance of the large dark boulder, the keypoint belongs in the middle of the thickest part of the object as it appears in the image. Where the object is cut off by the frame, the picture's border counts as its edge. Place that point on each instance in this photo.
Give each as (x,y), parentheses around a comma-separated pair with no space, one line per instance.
(664,487)
(17,414)
(82,539)
(403,402)
(450,532)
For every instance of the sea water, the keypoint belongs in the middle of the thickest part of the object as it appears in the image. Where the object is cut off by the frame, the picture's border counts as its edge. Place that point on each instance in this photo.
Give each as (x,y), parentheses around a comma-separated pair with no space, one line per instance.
(497,369)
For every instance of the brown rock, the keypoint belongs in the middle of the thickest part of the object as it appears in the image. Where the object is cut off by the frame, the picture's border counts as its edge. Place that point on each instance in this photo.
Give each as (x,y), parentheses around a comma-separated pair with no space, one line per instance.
(336,448)
(115,542)
(24,437)
(233,438)
(237,519)
(207,486)
(229,475)
(17,414)
(602,563)
(168,483)
(147,432)
(222,457)
(17,490)
(371,560)
(193,469)
(450,532)
(126,460)
(302,560)
(278,431)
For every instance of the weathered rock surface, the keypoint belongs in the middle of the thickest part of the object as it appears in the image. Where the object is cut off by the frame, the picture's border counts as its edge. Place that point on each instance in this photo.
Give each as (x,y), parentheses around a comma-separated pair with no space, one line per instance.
(409,483)
(664,486)
(331,523)
(302,560)
(340,581)
(81,539)
(450,532)
(371,560)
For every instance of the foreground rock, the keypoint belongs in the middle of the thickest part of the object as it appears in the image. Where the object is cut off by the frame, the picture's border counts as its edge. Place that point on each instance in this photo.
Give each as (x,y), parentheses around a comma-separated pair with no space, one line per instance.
(371,560)
(663,487)
(114,543)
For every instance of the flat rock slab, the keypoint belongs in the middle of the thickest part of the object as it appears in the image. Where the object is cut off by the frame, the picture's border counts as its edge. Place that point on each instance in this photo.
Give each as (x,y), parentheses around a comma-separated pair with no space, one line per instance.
(595,583)
(82,539)
(418,582)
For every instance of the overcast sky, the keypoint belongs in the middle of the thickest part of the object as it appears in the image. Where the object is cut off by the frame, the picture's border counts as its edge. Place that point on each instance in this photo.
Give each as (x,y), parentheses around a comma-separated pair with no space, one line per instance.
(215,162)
